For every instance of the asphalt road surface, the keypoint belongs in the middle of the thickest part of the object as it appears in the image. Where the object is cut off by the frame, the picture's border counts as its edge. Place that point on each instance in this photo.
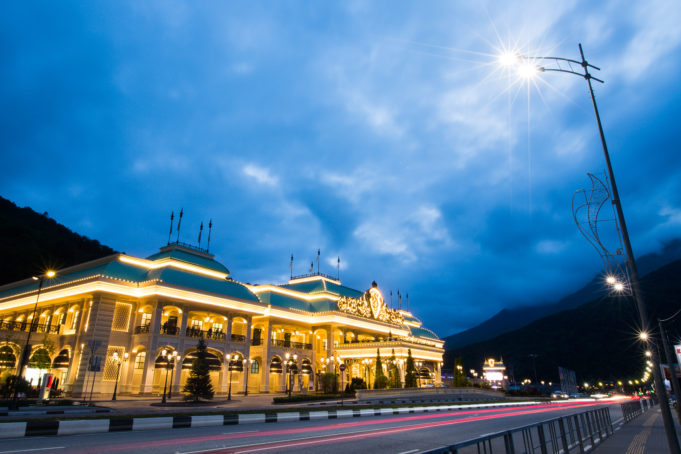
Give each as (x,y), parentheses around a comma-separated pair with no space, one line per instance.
(396,434)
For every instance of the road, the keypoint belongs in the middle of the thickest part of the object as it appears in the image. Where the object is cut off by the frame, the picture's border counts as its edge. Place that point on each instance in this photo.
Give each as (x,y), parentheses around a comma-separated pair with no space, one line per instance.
(403,434)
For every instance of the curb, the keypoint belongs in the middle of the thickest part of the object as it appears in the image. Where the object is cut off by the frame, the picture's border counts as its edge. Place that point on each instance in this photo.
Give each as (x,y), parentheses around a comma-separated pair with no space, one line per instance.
(121,424)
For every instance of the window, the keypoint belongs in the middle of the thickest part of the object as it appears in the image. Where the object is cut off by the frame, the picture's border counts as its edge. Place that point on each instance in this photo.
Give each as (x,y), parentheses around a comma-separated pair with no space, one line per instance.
(217,327)
(197,324)
(74,320)
(255,367)
(121,317)
(111,365)
(139,360)
(146,319)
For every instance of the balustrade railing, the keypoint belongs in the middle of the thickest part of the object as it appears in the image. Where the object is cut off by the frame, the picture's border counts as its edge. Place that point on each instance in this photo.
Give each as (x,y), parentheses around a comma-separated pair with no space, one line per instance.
(209,334)
(170,330)
(289,344)
(238,338)
(143,329)
(574,433)
(35,327)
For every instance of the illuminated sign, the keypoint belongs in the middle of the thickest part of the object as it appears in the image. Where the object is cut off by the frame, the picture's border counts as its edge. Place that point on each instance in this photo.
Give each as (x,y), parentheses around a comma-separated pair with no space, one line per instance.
(370,305)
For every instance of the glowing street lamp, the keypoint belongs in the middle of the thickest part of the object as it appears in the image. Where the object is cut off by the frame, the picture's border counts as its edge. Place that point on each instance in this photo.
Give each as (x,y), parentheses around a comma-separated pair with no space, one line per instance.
(229,376)
(570,66)
(176,358)
(165,354)
(118,371)
(26,353)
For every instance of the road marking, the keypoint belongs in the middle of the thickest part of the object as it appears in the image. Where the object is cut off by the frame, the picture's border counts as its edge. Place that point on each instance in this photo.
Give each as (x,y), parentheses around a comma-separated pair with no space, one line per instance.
(35,449)
(408,452)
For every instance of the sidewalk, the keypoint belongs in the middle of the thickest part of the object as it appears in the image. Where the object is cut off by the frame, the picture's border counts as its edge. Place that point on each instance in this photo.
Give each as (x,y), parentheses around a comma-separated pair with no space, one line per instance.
(645,434)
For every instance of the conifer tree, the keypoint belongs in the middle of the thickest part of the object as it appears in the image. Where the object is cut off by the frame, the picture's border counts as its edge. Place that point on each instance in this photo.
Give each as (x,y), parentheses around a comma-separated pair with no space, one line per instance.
(410,378)
(380,380)
(198,384)
(394,375)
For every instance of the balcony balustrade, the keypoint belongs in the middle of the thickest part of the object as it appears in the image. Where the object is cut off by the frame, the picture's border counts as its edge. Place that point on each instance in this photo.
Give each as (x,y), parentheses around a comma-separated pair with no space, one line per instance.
(35,327)
(289,344)
(209,334)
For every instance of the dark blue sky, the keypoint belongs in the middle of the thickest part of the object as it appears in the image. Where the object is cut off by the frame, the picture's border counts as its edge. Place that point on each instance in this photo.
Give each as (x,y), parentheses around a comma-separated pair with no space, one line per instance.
(380,132)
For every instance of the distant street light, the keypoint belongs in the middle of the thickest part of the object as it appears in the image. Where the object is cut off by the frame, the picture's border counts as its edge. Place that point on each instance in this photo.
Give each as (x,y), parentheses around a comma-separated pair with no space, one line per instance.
(26,353)
(565,65)
(165,355)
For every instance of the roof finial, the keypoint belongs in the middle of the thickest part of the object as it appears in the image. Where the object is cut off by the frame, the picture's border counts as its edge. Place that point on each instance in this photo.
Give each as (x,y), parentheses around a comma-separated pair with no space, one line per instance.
(338,269)
(200,231)
(210,227)
(319,251)
(290,266)
(172,216)
(179,223)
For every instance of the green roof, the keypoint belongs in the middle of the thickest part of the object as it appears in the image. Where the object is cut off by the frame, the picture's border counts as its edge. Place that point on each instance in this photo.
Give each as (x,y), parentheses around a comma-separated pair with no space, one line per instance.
(423,332)
(112,268)
(188,255)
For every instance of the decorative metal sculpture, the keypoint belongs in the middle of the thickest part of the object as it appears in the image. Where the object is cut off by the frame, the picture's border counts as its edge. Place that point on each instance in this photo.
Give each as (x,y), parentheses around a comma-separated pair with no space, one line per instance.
(589,213)
(370,304)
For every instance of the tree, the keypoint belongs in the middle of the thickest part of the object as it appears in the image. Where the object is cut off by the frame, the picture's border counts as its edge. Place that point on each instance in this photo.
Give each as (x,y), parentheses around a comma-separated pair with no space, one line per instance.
(198,384)
(394,372)
(410,380)
(460,379)
(357,383)
(329,383)
(380,380)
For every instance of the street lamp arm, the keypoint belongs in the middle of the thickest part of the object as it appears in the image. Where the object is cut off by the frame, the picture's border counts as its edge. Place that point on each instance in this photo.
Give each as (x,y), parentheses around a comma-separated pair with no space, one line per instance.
(560,70)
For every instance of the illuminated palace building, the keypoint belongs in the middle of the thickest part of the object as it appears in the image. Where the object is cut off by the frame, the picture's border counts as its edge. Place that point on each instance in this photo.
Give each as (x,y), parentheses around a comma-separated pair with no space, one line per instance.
(108,323)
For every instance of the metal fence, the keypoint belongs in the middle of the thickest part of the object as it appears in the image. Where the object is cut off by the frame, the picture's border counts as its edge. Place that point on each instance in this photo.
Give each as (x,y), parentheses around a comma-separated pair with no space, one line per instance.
(574,433)
(631,410)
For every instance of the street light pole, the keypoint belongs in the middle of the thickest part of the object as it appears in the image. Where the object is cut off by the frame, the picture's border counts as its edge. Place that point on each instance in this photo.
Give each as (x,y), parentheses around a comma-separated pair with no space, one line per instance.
(631,262)
(166,356)
(244,373)
(118,371)
(175,357)
(229,377)
(26,353)
(670,360)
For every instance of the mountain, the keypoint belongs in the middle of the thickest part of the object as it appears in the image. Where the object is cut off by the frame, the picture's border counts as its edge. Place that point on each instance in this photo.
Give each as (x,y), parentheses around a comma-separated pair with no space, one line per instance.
(31,243)
(597,339)
(514,318)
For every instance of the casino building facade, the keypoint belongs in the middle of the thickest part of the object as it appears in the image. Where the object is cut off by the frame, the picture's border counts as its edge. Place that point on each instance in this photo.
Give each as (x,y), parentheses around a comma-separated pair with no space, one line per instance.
(108,322)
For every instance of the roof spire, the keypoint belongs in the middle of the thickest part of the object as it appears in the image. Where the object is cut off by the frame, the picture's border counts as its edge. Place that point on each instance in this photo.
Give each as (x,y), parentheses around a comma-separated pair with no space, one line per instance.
(210,227)
(290,266)
(172,216)
(200,231)
(179,223)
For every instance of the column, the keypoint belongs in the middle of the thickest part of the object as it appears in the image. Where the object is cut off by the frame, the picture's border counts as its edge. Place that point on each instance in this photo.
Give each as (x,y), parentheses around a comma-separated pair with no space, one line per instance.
(265,369)
(330,349)
(247,354)
(228,334)
(175,385)
(100,314)
(150,359)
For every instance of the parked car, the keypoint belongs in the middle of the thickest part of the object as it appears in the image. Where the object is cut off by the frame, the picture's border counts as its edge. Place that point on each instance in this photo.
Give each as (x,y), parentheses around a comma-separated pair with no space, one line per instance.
(559,395)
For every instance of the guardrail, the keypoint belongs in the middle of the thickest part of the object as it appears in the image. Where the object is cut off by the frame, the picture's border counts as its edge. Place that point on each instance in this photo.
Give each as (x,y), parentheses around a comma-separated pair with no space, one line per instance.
(631,410)
(565,434)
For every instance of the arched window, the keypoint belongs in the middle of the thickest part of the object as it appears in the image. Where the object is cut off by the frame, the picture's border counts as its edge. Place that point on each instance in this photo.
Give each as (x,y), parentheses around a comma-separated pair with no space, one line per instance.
(139,360)
(7,357)
(255,367)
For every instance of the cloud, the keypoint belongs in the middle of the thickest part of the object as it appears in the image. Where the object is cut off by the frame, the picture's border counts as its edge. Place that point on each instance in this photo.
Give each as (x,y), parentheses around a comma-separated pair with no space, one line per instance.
(260,174)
